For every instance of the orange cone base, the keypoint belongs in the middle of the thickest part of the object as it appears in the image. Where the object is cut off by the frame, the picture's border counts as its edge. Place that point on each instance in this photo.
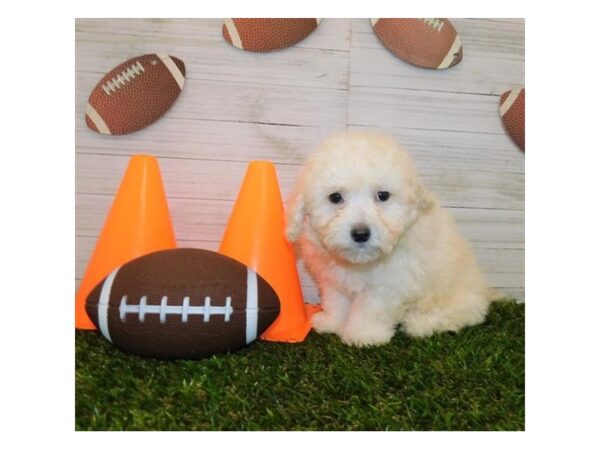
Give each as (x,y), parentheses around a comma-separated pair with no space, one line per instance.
(296,335)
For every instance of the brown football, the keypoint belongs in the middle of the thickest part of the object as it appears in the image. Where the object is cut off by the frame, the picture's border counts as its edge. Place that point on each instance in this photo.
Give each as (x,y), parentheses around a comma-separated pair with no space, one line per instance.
(512,112)
(266,35)
(135,94)
(429,43)
(182,303)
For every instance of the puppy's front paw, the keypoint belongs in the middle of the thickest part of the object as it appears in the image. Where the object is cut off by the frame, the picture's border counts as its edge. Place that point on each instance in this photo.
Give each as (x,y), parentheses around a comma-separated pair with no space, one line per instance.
(324,322)
(365,337)
(419,325)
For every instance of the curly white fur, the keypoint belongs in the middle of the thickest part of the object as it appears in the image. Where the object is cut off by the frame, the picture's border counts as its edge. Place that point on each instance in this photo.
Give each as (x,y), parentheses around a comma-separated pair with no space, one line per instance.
(415,270)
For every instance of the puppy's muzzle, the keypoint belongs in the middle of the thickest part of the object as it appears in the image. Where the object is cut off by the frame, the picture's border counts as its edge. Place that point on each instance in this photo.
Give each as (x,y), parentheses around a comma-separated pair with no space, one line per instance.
(360,234)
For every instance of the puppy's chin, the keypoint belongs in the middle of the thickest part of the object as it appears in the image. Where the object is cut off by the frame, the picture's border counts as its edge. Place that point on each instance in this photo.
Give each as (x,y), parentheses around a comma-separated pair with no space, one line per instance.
(358,254)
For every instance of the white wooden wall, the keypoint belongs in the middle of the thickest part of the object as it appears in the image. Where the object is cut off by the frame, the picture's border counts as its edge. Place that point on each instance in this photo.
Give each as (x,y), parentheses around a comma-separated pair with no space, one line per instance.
(239,106)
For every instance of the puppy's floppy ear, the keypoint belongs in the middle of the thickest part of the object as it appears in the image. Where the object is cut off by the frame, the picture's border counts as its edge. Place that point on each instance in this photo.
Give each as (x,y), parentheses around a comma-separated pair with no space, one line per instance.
(421,201)
(294,215)
(420,197)
(425,199)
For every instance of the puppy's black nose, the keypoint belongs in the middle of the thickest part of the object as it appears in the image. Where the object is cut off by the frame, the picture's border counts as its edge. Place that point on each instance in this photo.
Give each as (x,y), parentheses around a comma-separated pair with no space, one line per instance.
(360,234)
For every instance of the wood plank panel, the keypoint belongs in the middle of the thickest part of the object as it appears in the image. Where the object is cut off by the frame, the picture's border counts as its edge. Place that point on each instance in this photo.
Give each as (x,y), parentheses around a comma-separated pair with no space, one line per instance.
(239,106)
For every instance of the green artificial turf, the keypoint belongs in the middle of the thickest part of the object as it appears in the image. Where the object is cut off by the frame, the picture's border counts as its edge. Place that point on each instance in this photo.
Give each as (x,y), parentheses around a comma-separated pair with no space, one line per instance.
(472,380)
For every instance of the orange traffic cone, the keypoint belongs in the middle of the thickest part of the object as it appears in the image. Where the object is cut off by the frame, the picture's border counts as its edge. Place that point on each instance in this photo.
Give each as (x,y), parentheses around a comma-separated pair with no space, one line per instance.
(138,223)
(255,236)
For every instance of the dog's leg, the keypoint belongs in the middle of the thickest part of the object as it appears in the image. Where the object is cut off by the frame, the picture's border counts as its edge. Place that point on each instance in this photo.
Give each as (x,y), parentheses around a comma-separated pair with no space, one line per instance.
(466,310)
(335,310)
(369,323)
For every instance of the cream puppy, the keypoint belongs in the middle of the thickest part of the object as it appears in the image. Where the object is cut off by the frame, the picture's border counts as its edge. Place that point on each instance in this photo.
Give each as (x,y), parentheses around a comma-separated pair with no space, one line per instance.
(381,249)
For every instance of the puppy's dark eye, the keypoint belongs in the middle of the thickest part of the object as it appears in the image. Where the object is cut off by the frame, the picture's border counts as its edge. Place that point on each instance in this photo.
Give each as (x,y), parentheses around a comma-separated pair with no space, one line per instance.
(382,196)
(336,197)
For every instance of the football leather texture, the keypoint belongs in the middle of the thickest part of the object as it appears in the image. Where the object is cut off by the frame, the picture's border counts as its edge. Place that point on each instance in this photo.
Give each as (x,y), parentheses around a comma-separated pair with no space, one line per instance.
(512,112)
(182,303)
(267,35)
(428,43)
(135,94)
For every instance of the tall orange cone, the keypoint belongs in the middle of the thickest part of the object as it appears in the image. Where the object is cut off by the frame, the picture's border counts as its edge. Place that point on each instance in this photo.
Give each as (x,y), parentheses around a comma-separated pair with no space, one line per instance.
(138,223)
(255,236)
